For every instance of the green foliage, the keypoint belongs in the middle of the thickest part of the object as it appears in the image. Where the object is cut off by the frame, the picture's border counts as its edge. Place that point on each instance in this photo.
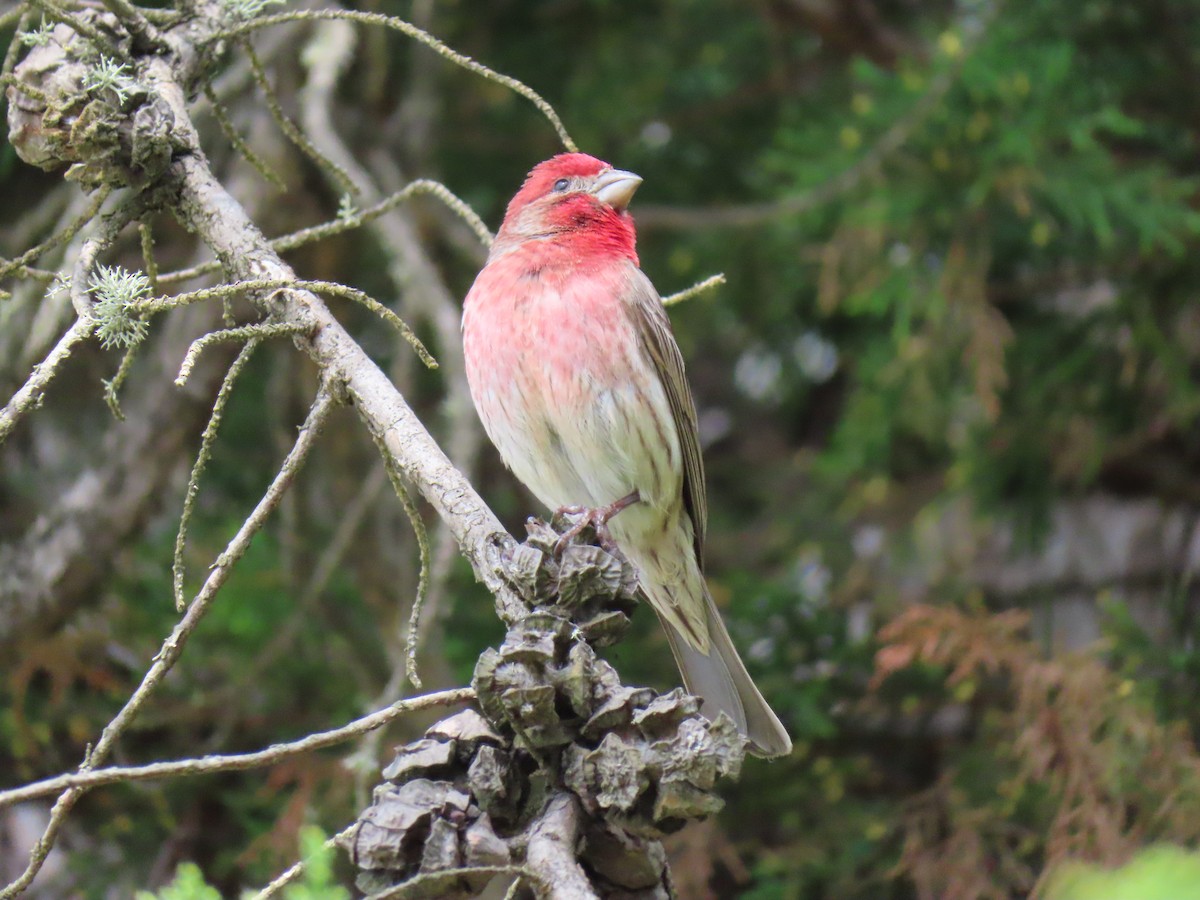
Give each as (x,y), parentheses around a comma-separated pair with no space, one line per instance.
(1158,873)
(317,882)
(189,884)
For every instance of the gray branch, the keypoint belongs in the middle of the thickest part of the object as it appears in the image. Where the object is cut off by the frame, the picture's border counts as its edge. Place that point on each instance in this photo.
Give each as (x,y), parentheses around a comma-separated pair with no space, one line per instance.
(552,852)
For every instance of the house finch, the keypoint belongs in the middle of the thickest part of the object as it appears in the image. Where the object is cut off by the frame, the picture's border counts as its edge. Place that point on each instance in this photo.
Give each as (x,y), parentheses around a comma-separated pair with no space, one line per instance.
(580,385)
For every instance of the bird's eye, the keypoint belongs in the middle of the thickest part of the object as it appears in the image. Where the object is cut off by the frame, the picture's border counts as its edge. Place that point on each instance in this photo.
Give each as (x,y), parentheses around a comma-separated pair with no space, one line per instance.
(562,184)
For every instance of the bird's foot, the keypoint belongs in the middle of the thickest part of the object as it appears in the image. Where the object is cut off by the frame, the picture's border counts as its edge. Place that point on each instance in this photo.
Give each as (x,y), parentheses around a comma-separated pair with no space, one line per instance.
(595,517)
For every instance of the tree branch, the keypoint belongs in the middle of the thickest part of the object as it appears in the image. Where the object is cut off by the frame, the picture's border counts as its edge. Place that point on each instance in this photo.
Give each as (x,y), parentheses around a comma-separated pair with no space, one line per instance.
(551,852)
(236,762)
(29,397)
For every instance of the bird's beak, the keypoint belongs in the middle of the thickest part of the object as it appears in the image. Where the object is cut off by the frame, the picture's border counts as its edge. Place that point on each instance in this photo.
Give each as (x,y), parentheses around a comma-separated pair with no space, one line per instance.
(616,187)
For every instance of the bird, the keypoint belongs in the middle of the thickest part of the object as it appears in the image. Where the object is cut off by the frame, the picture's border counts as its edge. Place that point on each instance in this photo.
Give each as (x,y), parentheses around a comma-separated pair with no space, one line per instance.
(575,373)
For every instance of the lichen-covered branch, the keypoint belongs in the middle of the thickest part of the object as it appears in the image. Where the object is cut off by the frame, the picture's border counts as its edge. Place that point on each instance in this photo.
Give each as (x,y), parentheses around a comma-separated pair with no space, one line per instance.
(236,762)
(29,397)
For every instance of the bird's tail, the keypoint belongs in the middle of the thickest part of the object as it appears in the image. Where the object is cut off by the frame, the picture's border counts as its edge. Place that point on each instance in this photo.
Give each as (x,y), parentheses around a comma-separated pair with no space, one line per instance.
(720,680)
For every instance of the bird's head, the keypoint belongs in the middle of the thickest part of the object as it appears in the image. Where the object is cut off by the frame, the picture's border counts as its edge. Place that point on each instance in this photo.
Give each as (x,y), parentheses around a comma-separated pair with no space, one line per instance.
(576,197)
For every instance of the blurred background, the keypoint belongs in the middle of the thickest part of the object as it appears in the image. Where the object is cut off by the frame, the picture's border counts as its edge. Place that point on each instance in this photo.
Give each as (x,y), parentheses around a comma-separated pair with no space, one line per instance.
(948,400)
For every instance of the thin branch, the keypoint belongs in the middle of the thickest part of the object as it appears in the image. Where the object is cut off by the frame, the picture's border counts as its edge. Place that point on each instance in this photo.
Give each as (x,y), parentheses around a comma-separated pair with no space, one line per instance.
(149,263)
(341,290)
(10,17)
(112,386)
(288,127)
(60,237)
(25,88)
(145,35)
(29,397)
(244,333)
(347,223)
(23,17)
(297,869)
(238,142)
(83,29)
(414,887)
(178,568)
(420,186)
(173,646)
(237,762)
(422,536)
(34,274)
(418,34)
(700,287)
(160,304)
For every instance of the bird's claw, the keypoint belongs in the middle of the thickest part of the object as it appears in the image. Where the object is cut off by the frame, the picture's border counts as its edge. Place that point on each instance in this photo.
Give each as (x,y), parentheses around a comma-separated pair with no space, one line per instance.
(595,517)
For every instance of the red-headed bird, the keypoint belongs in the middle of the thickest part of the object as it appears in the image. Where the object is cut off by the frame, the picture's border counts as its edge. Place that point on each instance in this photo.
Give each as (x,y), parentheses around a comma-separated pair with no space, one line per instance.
(580,385)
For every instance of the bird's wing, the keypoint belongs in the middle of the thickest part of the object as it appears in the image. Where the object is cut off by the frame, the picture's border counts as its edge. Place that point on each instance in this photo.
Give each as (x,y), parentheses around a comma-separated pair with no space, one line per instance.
(654,329)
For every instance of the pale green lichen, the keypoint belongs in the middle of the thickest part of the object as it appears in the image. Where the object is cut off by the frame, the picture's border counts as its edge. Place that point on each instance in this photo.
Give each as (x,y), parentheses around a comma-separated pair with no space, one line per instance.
(248,9)
(108,74)
(40,36)
(116,291)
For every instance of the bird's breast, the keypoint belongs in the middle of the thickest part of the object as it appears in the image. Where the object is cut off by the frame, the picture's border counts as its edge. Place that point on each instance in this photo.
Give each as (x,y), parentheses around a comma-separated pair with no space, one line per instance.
(563,386)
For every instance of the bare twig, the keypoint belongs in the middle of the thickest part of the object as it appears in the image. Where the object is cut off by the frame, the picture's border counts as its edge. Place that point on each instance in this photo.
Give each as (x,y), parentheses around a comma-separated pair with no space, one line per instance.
(237,762)
(149,263)
(417,34)
(238,142)
(144,33)
(700,287)
(161,304)
(288,127)
(336,226)
(178,569)
(297,869)
(422,536)
(58,238)
(244,333)
(112,386)
(29,397)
